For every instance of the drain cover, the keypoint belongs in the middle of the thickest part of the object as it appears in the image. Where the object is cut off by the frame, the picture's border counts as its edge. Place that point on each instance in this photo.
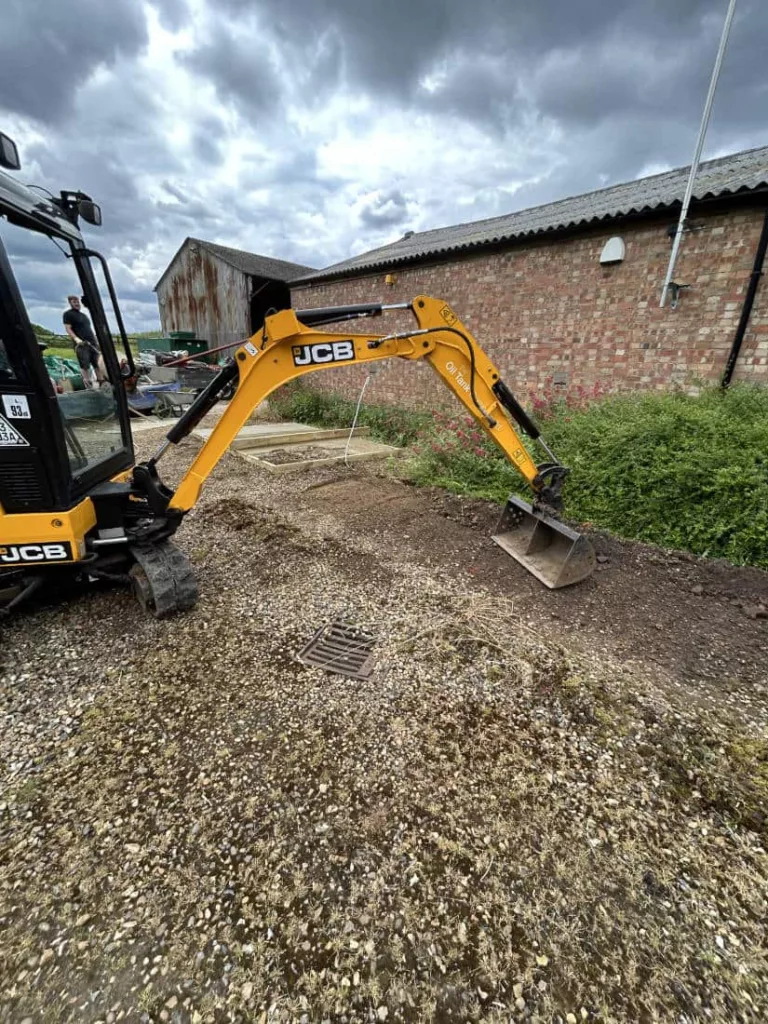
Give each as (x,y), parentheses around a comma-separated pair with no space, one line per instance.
(342,648)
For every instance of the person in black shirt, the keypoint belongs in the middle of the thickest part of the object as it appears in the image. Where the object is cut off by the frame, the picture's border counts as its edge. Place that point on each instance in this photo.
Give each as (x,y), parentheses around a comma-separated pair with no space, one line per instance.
(79,329)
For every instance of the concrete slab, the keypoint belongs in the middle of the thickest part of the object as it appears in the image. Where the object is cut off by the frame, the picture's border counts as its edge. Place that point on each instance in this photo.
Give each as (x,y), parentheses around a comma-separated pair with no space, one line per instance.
(255,432)
(294,458)
(313,436)
(260,435)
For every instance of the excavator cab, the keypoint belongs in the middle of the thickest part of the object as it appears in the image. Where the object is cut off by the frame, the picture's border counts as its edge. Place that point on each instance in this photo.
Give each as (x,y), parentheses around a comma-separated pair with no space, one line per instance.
(58,441)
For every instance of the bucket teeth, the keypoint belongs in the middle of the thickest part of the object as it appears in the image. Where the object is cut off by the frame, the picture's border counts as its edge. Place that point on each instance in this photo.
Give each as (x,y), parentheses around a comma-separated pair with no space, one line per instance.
(554,553)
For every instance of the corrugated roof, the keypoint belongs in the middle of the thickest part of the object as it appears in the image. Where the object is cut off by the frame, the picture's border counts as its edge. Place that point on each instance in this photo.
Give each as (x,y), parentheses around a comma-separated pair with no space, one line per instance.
(255,265)
(740,172)
(250,263)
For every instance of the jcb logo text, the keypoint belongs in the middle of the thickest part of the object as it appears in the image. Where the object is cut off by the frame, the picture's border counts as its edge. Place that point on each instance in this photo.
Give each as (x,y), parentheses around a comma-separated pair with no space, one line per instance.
(323,352)
(13,554)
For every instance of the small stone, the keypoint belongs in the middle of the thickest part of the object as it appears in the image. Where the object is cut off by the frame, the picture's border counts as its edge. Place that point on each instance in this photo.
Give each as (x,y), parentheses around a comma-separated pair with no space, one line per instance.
(382,1013)
(82,920)
(517,990)
(584,1014)
(752,611)
(520,1003)
(247,991)
(542,961)
(697,589)
(602,559)
(571,1019)
(47,955)
(172,1003)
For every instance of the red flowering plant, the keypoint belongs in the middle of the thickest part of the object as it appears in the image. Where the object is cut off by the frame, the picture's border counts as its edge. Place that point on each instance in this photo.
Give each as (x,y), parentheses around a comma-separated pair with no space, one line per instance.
(554,400)
(455,452)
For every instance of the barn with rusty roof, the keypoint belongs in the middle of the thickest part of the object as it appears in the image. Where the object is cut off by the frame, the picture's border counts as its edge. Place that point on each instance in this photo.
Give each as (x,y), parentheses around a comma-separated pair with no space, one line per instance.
(221,293)
(567,295)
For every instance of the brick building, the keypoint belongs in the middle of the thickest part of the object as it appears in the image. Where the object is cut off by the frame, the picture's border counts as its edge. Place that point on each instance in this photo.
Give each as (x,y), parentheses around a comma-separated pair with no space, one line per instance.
(533,290)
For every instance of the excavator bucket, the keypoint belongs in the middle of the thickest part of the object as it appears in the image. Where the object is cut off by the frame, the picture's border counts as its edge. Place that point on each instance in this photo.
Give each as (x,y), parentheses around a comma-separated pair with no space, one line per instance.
(552,551)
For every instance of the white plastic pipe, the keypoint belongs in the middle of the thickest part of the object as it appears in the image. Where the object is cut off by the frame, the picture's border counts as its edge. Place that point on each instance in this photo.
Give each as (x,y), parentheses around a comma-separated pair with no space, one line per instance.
(699,146)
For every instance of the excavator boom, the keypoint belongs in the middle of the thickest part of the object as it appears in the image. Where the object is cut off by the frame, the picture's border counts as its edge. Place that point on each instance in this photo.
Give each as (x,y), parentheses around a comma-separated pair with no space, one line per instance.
(290,346)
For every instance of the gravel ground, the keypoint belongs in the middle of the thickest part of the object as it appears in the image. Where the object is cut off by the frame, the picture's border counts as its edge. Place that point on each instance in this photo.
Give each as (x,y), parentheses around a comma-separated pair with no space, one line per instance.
(507,821)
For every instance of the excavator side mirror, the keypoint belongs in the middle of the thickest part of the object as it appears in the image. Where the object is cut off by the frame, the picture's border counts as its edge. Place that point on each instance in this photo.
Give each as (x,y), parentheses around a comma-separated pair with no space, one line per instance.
(9,154)
(89,211)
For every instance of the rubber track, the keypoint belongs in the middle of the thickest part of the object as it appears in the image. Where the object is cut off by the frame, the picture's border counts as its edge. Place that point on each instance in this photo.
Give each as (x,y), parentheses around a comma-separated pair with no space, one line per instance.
(171,579)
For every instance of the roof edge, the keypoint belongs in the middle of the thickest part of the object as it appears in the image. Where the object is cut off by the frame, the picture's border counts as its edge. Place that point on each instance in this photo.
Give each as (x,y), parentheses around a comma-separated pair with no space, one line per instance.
(505,241)
(172,261)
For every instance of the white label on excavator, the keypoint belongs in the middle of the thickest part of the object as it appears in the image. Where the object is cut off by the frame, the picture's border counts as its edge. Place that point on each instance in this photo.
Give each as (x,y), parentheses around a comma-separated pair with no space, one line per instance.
(323,352)
(10,437)
(250,348)
(12,554)
(17,407)
(454,372)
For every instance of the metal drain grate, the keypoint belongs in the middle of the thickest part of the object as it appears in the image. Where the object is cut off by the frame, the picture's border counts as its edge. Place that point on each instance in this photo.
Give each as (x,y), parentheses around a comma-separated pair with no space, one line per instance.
(342,648)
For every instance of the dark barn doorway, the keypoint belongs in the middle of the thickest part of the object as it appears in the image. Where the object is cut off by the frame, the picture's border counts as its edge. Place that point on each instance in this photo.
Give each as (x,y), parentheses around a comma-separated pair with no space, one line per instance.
(267,295)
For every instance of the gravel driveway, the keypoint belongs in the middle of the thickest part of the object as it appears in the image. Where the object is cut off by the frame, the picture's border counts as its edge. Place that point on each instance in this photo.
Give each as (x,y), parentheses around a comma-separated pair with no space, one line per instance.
(516,817)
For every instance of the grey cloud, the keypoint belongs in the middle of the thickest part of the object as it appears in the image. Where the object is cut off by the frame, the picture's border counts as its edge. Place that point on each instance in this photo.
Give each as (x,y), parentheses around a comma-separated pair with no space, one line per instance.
(505,64)
(207,138)
(386,210)
(174,14)
(47,50)
(239,68)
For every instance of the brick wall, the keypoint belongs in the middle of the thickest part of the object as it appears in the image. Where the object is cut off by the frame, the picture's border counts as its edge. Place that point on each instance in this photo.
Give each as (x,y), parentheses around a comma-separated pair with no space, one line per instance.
(549,309)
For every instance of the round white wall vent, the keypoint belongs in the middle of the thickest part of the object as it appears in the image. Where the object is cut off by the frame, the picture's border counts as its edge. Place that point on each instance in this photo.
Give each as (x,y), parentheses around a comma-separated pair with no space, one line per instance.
(613,250)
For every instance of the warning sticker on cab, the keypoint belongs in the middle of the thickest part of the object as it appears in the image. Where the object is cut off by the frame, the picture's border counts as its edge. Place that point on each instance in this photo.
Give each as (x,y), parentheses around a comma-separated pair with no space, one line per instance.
(10,437)
(17,407)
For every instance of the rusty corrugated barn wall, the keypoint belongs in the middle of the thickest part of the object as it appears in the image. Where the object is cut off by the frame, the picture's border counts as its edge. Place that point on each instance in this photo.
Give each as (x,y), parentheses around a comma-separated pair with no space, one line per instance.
(206,295)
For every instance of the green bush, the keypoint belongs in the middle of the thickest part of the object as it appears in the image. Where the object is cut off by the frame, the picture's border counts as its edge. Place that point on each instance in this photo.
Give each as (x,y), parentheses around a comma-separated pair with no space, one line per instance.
(672,469)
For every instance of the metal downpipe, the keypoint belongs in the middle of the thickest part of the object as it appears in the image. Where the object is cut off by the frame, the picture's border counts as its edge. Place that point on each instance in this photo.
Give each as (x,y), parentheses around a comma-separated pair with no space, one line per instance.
(749,299)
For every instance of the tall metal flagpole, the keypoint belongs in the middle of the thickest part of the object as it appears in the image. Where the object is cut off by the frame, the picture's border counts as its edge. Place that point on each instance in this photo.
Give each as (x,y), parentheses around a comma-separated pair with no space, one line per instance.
(699,145)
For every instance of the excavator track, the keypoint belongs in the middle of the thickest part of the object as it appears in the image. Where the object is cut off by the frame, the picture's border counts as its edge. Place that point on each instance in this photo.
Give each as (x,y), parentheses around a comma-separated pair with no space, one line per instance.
(163,580)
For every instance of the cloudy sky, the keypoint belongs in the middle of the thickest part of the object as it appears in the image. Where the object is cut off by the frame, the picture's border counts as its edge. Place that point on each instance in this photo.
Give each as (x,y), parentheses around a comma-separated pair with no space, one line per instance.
(312,130)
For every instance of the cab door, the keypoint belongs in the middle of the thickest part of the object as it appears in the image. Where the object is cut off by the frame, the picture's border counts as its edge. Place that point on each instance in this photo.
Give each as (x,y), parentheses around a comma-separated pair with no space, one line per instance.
(58,439)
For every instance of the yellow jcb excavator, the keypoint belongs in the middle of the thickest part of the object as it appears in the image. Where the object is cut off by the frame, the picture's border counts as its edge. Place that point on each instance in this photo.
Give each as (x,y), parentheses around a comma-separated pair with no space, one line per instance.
(74,504)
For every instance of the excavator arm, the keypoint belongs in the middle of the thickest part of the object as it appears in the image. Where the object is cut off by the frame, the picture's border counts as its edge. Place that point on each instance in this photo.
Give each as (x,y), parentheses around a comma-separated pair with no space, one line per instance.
(290,346)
